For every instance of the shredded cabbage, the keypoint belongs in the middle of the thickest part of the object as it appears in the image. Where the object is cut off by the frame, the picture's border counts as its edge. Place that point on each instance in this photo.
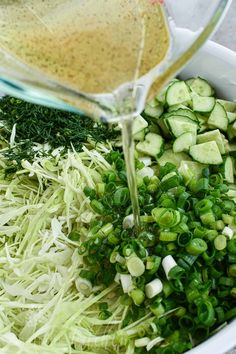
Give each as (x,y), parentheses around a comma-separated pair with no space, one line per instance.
(41,310)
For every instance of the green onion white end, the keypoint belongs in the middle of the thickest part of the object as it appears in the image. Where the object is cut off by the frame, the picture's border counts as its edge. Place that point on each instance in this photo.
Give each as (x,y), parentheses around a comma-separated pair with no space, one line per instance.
(227,231)
(153,288)
(142,342)
(146,160)
(154,342)
(126,282)
(168,263)
(146,172)
(135,266)
(83,286)
(128,221)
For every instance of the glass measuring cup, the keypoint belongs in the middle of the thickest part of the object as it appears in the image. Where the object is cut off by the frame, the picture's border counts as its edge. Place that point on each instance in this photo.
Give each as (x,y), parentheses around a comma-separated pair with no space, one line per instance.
(190,23)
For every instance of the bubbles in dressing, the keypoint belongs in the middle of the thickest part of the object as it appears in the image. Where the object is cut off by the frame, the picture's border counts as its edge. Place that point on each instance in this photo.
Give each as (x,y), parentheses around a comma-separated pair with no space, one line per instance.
(90,45)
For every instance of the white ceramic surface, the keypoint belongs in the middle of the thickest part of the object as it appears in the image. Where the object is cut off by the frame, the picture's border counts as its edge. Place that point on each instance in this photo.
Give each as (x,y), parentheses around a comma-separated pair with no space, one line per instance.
(218,65)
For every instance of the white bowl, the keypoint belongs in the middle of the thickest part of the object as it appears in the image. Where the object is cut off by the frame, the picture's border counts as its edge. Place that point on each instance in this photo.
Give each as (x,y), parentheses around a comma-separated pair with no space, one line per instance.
(218,65)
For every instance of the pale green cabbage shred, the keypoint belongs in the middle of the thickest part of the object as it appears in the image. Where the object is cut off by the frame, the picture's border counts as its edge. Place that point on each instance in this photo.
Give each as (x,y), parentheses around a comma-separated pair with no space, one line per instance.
(41,310)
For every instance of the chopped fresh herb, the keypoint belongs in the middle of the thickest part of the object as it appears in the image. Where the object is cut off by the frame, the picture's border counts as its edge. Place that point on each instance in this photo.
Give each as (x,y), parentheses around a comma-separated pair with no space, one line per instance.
(42,125)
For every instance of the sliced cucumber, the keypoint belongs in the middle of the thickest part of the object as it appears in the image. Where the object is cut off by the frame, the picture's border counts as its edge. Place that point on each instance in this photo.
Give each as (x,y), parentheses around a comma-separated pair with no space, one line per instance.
(161,97)
(154,109)
(139,136)
(175,158)
(231,131)
(161,123)
(231,116)
(190,170)
(228,168)
(189,81)
(218,117)
(139,124)
(201,87)
(184,141)
(186,112)
(228,105)
(175,107)
(179,125)
(153,145)
(202,104)
(177,93)
(213,135)
(232,149)
(207,153)
(154,128)
(202,120)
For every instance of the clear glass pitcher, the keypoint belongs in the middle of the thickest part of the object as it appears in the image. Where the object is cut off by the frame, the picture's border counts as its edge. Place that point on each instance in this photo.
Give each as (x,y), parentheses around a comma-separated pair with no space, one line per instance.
(189,22)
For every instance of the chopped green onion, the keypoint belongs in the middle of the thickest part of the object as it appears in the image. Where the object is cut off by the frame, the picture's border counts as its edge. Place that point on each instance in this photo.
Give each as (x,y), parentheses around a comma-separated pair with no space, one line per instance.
(220,242)
(200,232)
(182,200)
(153,264)
(141,342)
(232,271)
(126,282)
(233,292)
(97,206)
(176,272)
(207,218)
(203,206)
(232,258)
(166,217)
(74,236)
(148,239)
(157,309)
(121,196)
(184,239)
(100,188)
(202,185)
(186,322)
(215,180)
(196,246)
(168,263)
(226,281)
(83,286)
(219,225)
(167,236)
(231,246)
(206,313)
(135,266)
(138,296)
(106,229)
(153,288)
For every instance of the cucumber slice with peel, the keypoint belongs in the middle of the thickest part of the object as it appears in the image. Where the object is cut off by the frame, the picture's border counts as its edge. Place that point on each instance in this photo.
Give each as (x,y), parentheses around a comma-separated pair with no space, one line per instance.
(184,141)
(202,104)
(213,135)
(179,125)
(201,87)
(153,145)
(154,109)
(206,153)
(185,112)
(228,168)
(139,123)
(175,158)
(218,117)
(231,116)
(177,93)
(229,106)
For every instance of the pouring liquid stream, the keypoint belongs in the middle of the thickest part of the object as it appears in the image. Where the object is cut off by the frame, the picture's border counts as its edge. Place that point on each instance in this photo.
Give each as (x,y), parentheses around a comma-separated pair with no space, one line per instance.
(94,46)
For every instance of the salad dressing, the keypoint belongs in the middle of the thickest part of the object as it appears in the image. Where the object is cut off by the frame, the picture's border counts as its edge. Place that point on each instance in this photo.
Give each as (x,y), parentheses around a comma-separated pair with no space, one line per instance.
(89,45)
